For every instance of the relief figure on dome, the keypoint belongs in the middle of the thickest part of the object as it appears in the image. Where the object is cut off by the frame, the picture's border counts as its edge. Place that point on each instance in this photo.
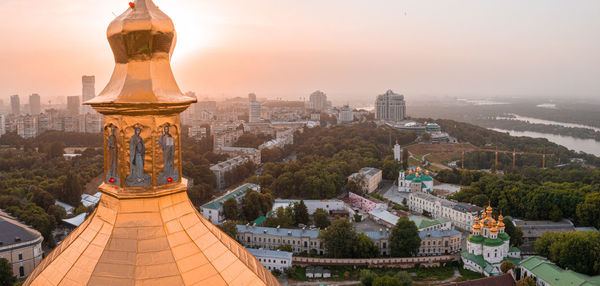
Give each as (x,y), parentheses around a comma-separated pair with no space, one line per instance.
(167,143)
(112,176)
(137,154)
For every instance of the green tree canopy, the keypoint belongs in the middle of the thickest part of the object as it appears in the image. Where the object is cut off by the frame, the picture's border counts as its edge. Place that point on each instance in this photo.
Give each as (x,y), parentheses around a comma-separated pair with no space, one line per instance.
(301,213)
(363,247)
(507,265)
(321,218)
(387,281)
(7,277)
(588,212)
(578,251)
(230,228)
(71,190)
(404,239)
(527,281)
(367,277)
(256,204)
(338,238)
(516,236)
(230,209)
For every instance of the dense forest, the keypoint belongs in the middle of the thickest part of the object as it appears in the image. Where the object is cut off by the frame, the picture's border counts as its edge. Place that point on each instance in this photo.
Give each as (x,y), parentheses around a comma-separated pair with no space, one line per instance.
(327,156)
(484,138)
(34,174)
(533,193)
(31,181)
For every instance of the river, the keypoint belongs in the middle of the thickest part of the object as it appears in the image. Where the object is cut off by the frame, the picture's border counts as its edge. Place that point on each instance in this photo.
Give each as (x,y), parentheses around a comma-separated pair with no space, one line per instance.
(547,122)
(590,146)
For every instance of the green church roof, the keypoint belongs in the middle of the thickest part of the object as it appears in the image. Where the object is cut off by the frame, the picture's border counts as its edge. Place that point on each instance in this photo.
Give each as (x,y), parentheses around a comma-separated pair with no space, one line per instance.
(478,239)
(554,275)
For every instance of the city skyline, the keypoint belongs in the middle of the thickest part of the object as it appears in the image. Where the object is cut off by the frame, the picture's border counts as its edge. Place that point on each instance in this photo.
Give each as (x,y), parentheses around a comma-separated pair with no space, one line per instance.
(349,50)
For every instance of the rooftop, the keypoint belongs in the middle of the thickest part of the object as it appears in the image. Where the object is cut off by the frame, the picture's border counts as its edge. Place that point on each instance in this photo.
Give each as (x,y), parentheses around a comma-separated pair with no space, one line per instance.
(270,253)
(237,193)
(554,275)
(291,232)
(498,280)
(226,164)
(12,231)
(76,220)
(437,233)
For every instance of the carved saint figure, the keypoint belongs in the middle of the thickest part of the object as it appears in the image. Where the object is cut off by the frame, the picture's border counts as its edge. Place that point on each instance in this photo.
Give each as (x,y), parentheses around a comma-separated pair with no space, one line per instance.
(112,176)
(137,153)
(167,144)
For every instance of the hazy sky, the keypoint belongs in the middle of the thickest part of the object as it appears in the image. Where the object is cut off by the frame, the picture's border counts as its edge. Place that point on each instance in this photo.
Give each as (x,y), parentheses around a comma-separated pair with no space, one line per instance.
(351,49)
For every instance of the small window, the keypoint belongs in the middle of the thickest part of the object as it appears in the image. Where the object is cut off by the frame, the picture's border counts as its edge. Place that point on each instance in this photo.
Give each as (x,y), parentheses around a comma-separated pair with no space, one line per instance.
(20,256)
(21,271)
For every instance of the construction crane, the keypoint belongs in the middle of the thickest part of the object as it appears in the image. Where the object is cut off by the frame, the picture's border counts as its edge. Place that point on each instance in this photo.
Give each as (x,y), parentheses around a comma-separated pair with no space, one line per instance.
(513,152)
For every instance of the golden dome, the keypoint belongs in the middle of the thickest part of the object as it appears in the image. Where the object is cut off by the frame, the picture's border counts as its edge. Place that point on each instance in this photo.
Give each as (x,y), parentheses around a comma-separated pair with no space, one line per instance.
(489,209)
(494,230)
(500,225)
(146,231)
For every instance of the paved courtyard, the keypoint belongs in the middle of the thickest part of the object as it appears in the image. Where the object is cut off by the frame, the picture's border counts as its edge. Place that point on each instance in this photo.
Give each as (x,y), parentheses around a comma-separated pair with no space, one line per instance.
(367,225)
(393,195)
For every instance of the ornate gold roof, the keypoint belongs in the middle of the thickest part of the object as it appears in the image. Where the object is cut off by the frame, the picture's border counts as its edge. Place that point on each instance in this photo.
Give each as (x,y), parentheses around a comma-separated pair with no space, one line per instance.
(476,226)
(149,241)
(145,230)
(500,221)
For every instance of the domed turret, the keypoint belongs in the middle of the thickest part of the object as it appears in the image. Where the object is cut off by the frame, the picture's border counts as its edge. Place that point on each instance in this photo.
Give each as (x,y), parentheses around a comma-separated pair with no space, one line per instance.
(476,227)
(500,222)
(145,230)
(142,40)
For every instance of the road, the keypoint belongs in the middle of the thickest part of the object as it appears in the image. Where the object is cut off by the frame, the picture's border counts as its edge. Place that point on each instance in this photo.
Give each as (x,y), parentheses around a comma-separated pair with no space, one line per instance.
(455,276)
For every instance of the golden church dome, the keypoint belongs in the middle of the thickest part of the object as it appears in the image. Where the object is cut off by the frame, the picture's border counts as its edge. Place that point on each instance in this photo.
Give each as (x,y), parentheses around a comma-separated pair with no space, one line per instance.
(501,221)
(145,230)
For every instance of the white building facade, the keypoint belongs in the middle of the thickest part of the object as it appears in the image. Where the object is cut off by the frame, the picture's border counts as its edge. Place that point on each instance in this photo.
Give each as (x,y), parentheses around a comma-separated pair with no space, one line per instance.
(390,107)
(272,259)
(371,176)
(460,214)
(346,114)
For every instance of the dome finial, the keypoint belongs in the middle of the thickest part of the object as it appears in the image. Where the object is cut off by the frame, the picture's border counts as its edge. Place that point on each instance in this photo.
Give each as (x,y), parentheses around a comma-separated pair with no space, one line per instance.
(142,40)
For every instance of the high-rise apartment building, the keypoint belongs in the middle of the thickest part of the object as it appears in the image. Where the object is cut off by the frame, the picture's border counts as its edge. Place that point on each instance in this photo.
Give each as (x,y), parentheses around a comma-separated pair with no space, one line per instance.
(88,92)
(2,125)
(318,101)
(254,109)
(390,107)
(346,114)
(27,126)
(35,104)
(73,104)
(15,104)
(88,87)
